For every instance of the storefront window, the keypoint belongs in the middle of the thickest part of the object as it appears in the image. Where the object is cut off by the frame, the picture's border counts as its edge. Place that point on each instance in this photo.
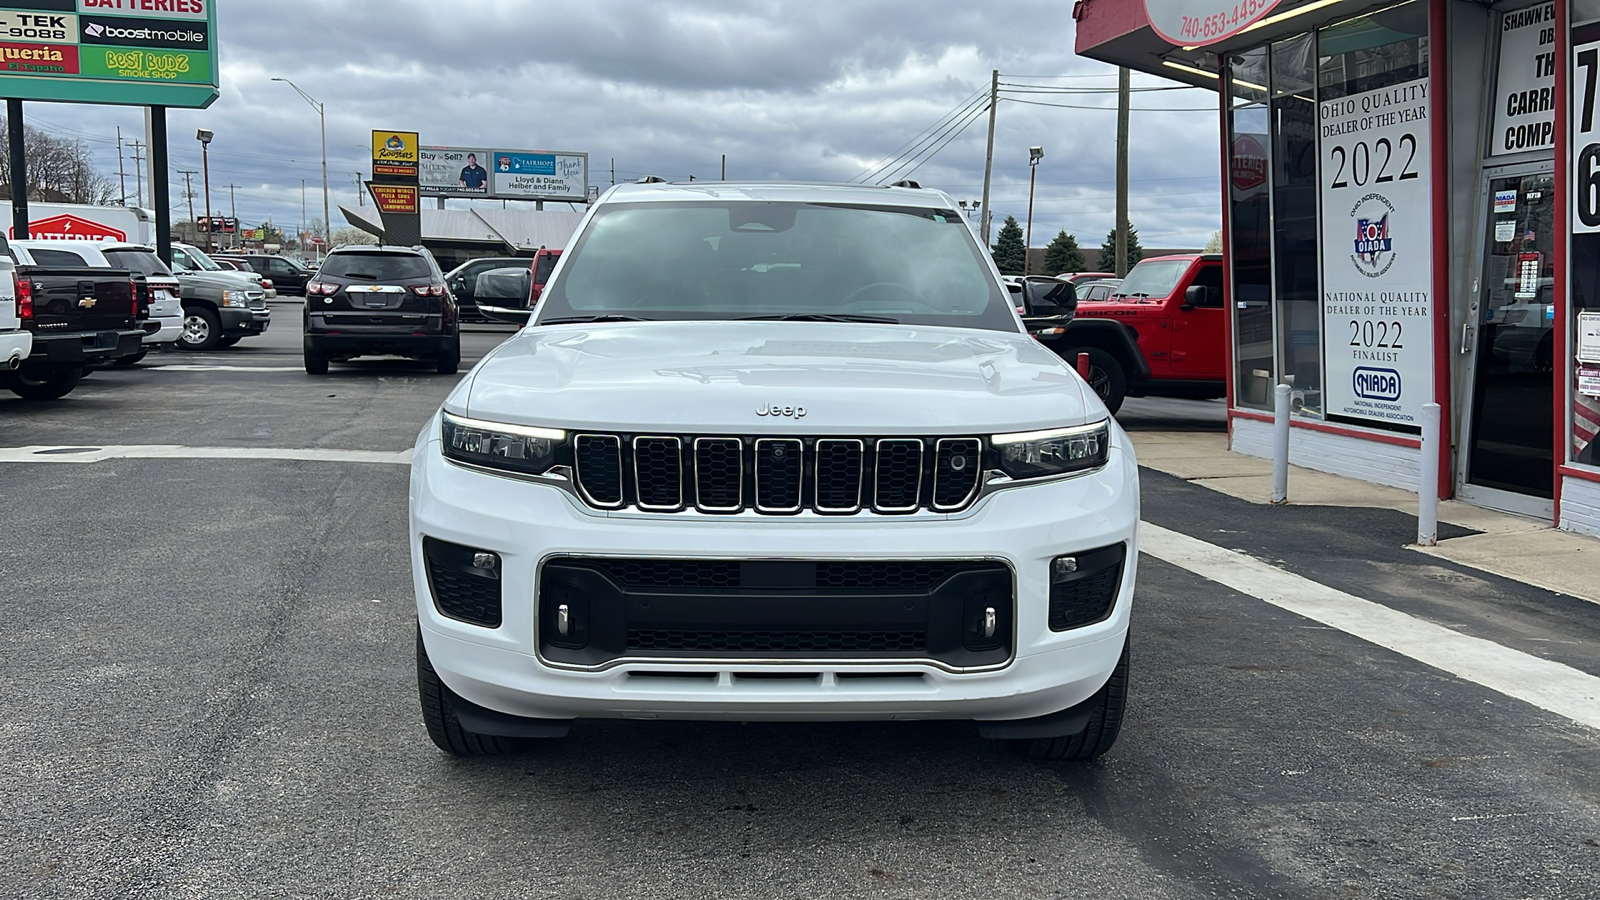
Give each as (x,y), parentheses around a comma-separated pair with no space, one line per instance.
(1583,363)
(1295,228)
(1250,214)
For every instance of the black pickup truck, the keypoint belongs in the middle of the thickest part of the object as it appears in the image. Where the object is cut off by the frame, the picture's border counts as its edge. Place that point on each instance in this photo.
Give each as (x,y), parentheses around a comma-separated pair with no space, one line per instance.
(80,319)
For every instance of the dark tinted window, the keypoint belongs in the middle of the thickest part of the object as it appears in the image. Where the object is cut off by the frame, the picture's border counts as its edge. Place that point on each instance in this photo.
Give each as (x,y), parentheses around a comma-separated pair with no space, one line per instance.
(56,258)
(375,266)
(711,260)
(545,266)
(142,262)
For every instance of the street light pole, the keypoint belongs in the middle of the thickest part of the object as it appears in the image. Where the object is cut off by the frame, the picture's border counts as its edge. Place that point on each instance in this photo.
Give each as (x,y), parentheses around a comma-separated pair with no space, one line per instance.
(322,116)
(204,137)
(1034,155)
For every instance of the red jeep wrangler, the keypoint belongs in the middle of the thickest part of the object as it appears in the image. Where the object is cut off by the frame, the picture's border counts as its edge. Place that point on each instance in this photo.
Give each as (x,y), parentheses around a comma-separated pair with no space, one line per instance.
(1163,333)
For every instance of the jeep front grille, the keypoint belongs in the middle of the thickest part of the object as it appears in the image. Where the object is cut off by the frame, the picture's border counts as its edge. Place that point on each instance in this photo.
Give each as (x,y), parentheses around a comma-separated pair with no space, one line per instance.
(777,476)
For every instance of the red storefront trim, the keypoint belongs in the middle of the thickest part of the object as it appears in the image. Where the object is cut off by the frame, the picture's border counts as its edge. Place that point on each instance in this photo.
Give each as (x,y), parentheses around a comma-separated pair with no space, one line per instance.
(1227,227)
(1377,437)
(1574,472)
(1439,113)
(1563,227)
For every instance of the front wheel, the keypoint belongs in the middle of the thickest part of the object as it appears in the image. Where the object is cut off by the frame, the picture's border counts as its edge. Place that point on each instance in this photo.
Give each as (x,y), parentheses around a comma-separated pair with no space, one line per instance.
(229,341)
(450,360)
(202,329)
(1105,722)
(1106,377)
(443,727)
(50,386)
(316,363)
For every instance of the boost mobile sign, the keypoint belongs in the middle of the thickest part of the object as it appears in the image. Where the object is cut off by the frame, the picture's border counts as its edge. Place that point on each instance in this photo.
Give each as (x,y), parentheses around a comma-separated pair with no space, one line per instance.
(1377,254)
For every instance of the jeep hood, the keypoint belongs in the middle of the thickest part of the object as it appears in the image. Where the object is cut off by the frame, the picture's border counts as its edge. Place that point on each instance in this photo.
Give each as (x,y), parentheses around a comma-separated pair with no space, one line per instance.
(716,377)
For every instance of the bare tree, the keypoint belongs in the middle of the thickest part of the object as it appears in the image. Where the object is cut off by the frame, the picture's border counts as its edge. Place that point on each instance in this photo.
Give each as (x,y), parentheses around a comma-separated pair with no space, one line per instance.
(60,170)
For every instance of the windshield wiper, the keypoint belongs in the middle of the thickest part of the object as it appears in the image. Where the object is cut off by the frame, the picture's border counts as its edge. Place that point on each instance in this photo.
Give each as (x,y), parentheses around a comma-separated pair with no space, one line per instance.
(822,317)
(608,317)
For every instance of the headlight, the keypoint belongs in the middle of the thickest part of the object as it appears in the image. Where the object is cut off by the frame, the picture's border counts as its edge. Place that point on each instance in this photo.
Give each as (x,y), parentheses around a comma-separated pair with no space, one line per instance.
(234,298)
(515,448)
(1058,451)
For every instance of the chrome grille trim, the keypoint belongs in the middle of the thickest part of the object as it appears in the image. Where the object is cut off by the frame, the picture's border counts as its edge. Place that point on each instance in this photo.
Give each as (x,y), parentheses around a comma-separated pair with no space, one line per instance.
(879,474)
(796,446)
(974,448)
(738,475)
(579,478)
(676,445)
(823,445)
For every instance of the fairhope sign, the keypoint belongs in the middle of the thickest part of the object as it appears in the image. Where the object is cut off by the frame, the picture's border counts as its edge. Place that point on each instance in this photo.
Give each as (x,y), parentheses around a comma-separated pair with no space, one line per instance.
(1196,23)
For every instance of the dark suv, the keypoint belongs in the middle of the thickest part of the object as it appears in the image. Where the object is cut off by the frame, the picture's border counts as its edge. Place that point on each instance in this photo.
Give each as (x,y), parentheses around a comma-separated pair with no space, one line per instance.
(288,275)
(367,301)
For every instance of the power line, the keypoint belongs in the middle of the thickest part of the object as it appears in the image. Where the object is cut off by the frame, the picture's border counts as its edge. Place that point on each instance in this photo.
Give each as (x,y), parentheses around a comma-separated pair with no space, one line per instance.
(1209,109)
(908,147)
(933,151)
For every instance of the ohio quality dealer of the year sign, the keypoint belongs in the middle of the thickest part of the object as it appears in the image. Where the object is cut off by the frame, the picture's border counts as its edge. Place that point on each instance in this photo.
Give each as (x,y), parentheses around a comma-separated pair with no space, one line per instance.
(1377,256)
(136,52)
(1195,23)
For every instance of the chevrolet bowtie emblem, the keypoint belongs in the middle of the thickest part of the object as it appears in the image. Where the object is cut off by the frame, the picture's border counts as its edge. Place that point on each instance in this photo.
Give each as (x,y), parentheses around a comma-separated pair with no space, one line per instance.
(87,303)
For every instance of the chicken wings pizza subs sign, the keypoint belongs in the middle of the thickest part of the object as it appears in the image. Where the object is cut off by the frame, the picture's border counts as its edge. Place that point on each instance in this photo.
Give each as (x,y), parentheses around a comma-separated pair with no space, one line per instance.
(139,52)
(1377,254)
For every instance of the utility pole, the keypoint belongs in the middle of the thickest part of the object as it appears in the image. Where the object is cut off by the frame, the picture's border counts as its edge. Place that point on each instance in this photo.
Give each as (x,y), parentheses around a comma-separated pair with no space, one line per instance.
(233,213)
(724,167)
(988,156)
(1123,94)
(138,169)
(122,173)
(361,195)
(613,171)
(188,192)
(302,214)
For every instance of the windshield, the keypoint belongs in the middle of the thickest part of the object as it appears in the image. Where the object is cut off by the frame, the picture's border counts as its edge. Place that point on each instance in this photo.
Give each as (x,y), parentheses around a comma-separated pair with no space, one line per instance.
(375,266)
(200,260)
(143,262)
(710,260)
(1156,278)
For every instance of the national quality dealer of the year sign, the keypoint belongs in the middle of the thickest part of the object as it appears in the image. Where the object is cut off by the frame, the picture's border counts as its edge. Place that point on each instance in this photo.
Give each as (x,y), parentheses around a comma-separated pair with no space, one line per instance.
(137,52)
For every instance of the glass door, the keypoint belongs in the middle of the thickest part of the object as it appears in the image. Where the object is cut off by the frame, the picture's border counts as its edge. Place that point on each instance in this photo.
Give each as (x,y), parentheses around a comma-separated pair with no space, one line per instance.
(1509,444)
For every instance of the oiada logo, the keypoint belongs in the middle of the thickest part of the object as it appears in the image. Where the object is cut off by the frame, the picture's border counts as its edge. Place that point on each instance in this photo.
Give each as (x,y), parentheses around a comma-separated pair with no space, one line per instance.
(1374,247)
(71,228)
(1376,384)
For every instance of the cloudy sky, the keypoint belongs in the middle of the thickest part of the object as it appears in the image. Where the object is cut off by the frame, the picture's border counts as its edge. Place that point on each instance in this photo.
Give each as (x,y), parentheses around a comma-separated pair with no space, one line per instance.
(788,90)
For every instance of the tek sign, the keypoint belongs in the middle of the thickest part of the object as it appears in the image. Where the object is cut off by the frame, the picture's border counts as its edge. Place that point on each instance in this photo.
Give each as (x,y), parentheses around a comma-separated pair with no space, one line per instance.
(138,52)
(1195,23)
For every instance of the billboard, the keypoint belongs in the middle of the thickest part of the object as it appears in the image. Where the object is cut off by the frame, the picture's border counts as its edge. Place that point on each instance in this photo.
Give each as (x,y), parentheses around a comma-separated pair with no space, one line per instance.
(454,171)
(135,52)
(394,156)
(540,175)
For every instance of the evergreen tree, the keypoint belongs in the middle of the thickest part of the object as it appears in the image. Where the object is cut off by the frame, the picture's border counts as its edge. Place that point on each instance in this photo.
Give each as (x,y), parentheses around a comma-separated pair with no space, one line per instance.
(1063,255)
(1010,256)
(1108,250)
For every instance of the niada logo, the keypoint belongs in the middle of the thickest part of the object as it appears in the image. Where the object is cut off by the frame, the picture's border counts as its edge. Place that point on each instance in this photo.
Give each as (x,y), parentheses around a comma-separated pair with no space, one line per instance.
(789,412)
(1376,384)
(1374,247)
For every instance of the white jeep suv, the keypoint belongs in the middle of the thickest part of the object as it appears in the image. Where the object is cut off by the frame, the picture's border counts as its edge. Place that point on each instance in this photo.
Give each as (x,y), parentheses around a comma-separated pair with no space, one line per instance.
(774,452)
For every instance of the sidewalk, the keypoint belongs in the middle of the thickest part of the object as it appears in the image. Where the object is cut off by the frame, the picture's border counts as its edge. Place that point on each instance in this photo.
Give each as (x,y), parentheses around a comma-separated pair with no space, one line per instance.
(1505,545)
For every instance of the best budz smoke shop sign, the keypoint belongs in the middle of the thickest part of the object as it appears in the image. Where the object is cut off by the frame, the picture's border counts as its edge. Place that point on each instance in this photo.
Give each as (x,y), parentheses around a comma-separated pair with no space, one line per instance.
(1195,23)
(1377,254)
(139,52)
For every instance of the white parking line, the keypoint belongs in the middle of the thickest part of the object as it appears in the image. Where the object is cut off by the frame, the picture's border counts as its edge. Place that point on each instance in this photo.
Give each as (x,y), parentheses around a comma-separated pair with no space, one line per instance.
(198,367)
(91,454)
(1548,685)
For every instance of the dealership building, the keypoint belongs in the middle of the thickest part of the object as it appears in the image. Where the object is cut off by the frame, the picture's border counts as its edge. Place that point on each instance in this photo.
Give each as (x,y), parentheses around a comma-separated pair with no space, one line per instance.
(1411,209)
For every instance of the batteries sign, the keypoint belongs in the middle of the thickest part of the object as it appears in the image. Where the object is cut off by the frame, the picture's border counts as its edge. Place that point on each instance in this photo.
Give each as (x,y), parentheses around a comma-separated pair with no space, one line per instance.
(136,52)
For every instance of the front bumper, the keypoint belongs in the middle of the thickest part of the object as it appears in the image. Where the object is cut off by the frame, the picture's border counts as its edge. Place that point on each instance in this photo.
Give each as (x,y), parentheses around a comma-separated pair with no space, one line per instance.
(241,321)
(529,524)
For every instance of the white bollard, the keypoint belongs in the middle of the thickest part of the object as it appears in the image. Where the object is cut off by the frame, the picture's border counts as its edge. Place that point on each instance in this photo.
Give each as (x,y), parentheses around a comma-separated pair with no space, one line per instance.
(1428,479)
(1280,444)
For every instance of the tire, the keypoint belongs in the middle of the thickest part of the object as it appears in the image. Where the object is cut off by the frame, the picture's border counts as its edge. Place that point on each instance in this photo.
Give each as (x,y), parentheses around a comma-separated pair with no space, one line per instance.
(52,386)
(1107,378)
(443,727)
(1105,722)
(448,362)
(316,363)
(126,361)
(202,329)
(229,341)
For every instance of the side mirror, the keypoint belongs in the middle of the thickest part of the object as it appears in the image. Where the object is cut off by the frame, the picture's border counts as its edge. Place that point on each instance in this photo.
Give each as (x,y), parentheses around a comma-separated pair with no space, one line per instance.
(1049,297)
(502,295)
(1194,295)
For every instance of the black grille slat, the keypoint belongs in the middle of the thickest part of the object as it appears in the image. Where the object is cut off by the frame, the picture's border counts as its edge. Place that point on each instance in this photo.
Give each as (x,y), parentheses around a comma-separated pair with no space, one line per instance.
(771,641)
(658,471)
(719,474)
(598,458)
(897,475)
(669,573)
(838,475)
(780,471)
(957,463)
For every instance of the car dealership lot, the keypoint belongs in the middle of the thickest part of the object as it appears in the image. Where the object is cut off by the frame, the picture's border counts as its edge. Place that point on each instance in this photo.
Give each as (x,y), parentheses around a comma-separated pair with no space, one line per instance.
(208,683)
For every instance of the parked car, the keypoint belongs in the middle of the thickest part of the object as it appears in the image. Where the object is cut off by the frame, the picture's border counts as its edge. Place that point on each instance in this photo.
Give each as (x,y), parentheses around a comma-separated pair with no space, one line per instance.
(16,342)
(287,274)
(381,300)
(220,306)
(513,305)
(1078,279)
(463,282)
(1098,289)
(158,288)
(773,452)
(1162,332)
(78,317)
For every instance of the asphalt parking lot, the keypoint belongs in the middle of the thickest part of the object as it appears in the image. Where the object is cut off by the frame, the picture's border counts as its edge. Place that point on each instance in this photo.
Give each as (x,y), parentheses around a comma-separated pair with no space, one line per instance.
(209,691)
